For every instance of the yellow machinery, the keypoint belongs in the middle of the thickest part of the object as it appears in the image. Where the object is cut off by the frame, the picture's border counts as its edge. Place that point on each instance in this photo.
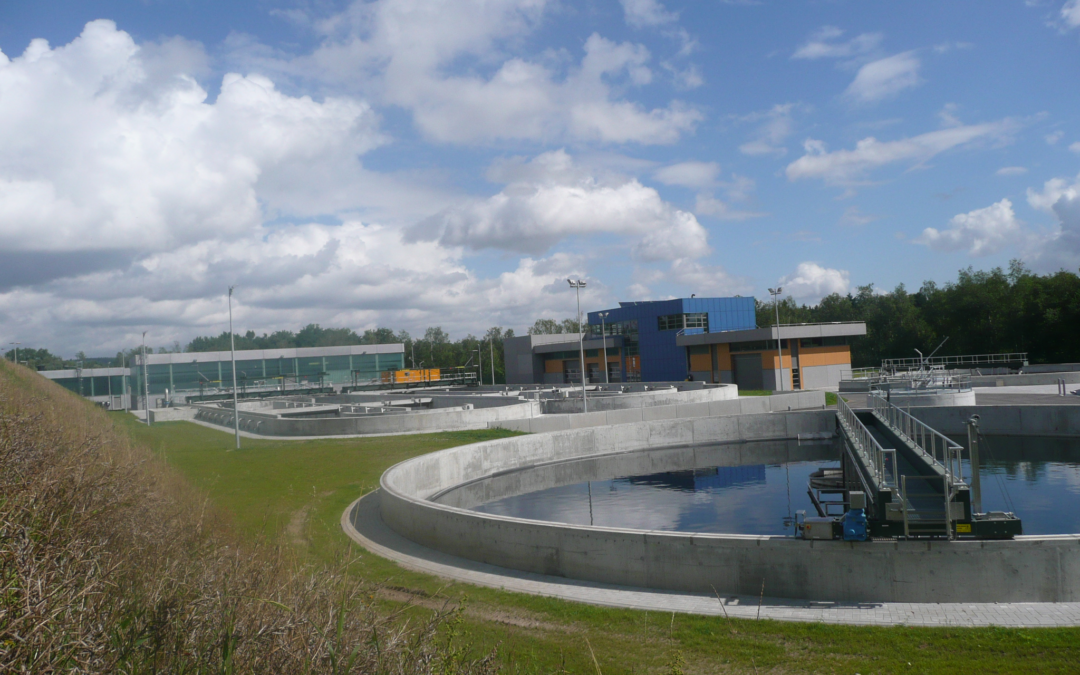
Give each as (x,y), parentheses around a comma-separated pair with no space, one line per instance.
(413,376)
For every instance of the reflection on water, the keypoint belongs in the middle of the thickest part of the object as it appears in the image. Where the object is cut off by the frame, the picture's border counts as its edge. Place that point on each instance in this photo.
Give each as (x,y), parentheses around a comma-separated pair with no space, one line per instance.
(748,499)
(1038,479)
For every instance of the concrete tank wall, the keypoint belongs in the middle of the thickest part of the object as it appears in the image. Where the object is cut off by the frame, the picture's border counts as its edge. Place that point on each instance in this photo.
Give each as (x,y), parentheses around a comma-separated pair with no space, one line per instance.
(800,400)
(644,399)
(265,424)
(1028,569)
(1004,420)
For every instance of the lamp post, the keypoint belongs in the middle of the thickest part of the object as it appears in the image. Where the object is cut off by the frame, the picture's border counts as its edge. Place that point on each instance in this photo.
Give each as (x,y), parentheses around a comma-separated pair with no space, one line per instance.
(779,346)
(232,348)
(577,285)
(603,341)
(16,352)
(479,364)
(491,344)
(145,381)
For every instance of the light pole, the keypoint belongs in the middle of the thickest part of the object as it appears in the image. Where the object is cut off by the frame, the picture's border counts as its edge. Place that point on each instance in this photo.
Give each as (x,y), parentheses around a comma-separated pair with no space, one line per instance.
(491,344)
(232,348)
(577,285)
(16,352)
(603,341)
(145,381)
(779,346)
(412,352)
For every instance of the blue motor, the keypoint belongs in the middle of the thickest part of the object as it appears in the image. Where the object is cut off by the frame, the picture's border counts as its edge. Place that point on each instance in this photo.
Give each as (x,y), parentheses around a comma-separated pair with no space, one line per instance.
(854,521)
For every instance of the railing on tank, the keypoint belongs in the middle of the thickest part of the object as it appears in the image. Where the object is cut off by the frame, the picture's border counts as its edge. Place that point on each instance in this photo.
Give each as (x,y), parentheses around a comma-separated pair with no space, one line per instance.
(913,363)
(943,451)
(876,457)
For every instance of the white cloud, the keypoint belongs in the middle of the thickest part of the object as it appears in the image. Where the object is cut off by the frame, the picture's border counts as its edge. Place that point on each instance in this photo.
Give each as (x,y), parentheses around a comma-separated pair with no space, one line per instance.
(708,205)
(105,145)
(855,217)
(980,232)
(706,280)
(1011,171)
(689,174)
(452,64)
(885,78)
(550,198)
(1053,137)
(822,44)
(1075,147)
(845,167)
(775,126)
(1061,198)
(1070,14)
(810,282)
(646,13)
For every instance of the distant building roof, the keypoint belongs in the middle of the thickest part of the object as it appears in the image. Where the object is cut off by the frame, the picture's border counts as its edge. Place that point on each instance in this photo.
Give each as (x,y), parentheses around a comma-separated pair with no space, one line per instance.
(792,331)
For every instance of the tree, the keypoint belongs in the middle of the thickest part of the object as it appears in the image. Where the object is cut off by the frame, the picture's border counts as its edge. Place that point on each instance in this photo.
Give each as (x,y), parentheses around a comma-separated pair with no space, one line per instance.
(546,327)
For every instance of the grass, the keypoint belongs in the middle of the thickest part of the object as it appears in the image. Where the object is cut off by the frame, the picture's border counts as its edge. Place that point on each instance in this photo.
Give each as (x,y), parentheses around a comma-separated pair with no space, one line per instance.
(295,492)
(111,562)
(830,397)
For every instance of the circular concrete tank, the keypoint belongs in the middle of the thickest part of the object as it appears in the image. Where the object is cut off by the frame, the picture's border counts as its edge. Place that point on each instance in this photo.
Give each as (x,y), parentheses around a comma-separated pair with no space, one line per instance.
(1027,569)
(921,398)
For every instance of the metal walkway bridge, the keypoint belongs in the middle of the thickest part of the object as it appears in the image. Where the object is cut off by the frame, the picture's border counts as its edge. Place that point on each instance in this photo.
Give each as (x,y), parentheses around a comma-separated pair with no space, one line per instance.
(912,477)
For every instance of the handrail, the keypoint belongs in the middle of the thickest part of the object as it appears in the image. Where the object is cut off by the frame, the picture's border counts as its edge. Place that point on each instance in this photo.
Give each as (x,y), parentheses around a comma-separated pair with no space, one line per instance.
(940,449)
(865,443)
(962,359)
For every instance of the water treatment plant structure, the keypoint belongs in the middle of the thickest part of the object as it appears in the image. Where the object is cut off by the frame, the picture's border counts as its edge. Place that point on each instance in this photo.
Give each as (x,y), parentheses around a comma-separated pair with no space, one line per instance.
(925,539)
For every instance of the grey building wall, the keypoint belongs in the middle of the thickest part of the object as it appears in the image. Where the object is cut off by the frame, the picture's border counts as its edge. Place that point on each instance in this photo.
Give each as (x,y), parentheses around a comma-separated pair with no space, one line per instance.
(819,377)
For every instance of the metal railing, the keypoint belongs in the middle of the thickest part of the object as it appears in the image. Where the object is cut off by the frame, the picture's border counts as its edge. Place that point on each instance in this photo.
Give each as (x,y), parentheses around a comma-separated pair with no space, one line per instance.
(914,363)
(860,373)
(943,452)
(906,508)
(875,456)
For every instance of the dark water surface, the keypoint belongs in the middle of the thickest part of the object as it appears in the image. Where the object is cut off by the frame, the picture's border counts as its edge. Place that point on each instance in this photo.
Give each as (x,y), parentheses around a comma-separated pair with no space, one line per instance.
(1037,478)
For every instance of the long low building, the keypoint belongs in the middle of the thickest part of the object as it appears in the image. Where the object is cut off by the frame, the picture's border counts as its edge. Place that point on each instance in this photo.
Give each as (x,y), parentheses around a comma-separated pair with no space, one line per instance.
(814,355)
(712,340)
(177,375)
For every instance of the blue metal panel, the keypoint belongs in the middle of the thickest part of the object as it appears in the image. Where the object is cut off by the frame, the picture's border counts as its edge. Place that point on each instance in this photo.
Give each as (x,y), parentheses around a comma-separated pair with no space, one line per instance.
(661,359)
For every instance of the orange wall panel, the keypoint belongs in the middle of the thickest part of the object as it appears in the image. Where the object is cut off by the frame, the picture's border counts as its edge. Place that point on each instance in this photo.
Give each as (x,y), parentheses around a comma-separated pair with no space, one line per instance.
(723,357)
(555,366)
(839,355)
(699,362)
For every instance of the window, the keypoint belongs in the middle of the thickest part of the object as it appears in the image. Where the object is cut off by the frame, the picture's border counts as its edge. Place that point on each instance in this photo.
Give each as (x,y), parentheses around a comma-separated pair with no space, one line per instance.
(698,320)
(680,321)
(670,322)
(838,341)
(810,342)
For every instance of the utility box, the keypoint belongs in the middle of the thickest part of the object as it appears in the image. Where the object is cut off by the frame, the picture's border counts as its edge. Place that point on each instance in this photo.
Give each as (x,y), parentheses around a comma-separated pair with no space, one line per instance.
(856,500)
(815,527)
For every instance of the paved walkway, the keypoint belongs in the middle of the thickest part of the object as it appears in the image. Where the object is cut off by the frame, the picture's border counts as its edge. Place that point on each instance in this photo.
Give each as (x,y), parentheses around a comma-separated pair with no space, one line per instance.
(368,530)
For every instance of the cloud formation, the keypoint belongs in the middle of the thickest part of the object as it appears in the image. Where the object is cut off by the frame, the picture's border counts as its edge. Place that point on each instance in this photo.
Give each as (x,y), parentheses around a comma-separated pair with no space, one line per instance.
(978,233)
(646,13)
(884,78)
(774,127)
(810,282)
(549,198)
(449,64)
(823,44)
(847,167)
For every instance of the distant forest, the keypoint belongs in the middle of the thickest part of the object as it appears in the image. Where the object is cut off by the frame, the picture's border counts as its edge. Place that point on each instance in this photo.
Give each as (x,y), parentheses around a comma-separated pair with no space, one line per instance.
(990,312)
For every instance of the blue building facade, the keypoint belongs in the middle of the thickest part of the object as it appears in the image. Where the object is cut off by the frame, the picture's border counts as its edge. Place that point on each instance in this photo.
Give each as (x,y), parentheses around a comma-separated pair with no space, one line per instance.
(649,329)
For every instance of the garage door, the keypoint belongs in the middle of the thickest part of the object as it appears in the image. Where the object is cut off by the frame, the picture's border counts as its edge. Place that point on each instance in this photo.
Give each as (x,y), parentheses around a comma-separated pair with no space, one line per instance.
(748,371)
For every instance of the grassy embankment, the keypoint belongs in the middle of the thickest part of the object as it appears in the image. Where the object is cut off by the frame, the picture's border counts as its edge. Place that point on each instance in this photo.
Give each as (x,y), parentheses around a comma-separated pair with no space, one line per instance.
(111,562)
(295,491)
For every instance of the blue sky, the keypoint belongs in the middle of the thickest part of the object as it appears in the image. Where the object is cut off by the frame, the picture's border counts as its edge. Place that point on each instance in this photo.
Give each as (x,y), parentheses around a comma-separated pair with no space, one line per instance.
(410,164)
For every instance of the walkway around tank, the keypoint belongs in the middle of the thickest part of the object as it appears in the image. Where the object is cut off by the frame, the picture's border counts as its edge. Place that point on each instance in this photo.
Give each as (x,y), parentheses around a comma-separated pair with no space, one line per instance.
(362,523)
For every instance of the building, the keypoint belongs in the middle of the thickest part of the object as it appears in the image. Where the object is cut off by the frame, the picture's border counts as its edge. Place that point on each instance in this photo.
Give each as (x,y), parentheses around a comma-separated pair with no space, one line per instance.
(814,355)
(108,386)
(710,339)
(179,375)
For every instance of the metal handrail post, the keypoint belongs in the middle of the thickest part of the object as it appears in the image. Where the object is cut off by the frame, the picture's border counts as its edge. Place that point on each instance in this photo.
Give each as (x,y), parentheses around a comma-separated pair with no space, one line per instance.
(904,505)
(948,511)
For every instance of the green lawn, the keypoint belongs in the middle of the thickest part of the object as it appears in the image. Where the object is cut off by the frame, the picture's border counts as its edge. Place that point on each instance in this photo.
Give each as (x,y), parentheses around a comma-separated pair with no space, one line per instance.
(294,492)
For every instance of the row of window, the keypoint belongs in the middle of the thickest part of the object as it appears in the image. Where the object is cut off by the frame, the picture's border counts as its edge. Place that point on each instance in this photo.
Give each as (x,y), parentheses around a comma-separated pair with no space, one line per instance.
(680,321)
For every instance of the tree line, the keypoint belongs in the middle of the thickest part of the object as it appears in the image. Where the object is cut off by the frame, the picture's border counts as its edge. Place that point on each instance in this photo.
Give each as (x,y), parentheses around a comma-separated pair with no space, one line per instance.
(981,312)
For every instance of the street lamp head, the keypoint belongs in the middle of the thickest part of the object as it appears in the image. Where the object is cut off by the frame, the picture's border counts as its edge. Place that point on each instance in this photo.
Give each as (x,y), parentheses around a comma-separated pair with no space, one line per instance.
(231,290)
(576,283)
(776,291)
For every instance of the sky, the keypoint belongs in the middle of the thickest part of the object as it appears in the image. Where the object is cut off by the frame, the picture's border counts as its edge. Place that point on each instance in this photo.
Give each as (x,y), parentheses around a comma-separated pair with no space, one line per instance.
(415,163)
